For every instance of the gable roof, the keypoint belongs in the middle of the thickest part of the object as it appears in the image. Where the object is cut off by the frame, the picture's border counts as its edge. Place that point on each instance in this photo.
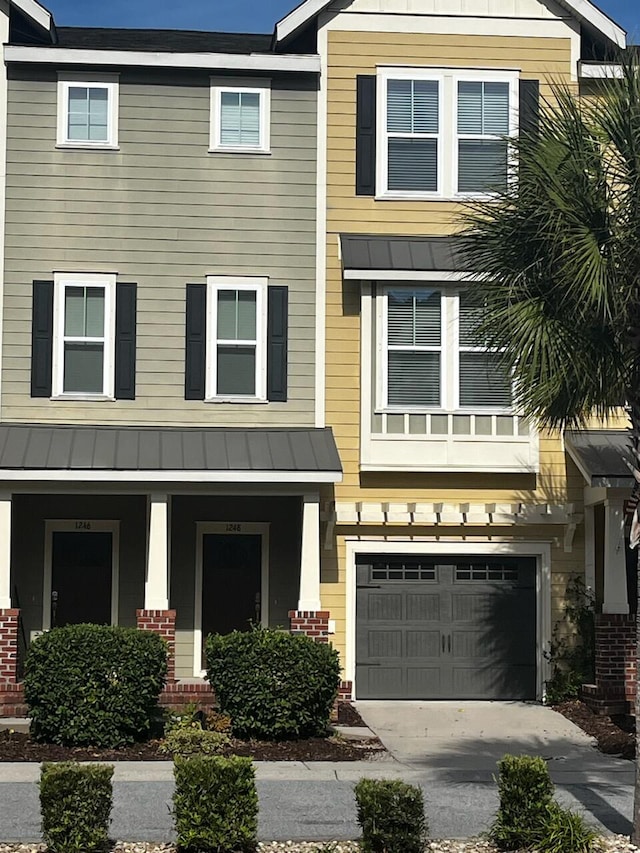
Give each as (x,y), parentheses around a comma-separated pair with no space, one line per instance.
(584,10)
(35,12)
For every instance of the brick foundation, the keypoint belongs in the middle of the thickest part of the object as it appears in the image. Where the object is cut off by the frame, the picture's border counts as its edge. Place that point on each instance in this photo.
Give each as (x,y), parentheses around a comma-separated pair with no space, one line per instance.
(12,701)
(345,691)
(163,622)
(175,696)
(9,624)
(312,623)
(615,688)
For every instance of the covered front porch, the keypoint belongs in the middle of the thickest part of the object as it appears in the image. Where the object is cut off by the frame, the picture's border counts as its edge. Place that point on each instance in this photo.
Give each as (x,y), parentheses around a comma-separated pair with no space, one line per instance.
(182,551)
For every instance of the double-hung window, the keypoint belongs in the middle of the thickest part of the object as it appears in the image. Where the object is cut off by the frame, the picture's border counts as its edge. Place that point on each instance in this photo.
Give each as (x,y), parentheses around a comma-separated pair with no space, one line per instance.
(240,116)
(430,357)
(237,338)
(84,336)
(442,133)
(88,112)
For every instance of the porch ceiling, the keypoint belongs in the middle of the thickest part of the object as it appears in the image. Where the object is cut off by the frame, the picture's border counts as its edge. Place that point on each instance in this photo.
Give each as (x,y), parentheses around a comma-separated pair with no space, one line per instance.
(601,456)
(169,454)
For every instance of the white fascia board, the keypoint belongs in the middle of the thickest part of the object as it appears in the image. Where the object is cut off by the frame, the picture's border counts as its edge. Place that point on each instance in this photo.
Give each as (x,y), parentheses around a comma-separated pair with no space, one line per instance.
(583,10)
(85,476)
(38,14)
(589,71)
(148,59)
(407,275)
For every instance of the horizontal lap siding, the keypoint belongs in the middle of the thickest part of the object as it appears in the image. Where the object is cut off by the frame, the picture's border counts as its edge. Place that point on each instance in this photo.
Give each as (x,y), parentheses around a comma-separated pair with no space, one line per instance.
(162,212)
(350,54)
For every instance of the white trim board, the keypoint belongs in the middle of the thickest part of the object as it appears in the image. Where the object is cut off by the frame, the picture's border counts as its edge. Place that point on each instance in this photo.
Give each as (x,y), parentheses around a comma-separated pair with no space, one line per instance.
(71,526)
(540,550)
(38,14)
(582,10)
(407,275)
(227,528)
(91,476)
(147,59)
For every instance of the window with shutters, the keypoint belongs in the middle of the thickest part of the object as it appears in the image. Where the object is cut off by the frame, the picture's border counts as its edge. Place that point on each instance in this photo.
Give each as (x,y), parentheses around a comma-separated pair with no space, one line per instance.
(442,133)
(87,111)
(240,116)
(430,356)
(84,336)
(237,334)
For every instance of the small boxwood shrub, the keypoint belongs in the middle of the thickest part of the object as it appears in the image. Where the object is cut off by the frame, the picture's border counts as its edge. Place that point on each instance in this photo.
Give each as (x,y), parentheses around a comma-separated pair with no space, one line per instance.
(75,801)
(94,685)
(194,740)
(272,684)
(391,816)
(215,804)
(526,790)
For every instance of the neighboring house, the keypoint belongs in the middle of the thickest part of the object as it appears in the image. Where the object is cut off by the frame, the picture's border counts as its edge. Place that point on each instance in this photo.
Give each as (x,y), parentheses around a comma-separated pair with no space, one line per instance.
(455,530)
(160,463)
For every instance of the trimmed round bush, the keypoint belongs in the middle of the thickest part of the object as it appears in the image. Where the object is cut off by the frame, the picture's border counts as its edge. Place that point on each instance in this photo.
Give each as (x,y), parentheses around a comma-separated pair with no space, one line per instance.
(272,684)
(94,685)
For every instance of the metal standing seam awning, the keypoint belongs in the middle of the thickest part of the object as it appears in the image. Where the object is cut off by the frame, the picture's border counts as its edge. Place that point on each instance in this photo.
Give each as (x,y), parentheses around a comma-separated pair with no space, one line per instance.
(41,452)
(600,456)
(374,257)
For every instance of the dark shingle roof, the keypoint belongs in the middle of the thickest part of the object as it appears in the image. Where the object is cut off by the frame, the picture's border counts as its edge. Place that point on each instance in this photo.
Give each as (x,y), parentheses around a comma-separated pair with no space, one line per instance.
(408,254)
(163,41)
(27,447)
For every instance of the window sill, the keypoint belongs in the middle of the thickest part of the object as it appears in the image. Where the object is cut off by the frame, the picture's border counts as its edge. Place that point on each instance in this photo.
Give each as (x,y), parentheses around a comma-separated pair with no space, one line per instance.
(248,401)
(83,398)
(87,146)
(239,150)
(453,199)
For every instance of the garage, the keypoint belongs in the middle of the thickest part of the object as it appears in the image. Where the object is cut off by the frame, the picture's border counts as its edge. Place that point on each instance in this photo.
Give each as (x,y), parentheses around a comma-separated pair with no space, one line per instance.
(445,627)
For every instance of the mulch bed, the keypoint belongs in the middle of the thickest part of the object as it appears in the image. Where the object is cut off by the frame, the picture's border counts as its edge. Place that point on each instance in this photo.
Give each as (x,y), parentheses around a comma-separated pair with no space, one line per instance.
(614,735)
(15,746)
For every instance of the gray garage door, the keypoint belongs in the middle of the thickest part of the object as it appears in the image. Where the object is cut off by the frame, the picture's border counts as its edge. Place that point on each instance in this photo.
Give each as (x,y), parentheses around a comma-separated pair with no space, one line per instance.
(445,628)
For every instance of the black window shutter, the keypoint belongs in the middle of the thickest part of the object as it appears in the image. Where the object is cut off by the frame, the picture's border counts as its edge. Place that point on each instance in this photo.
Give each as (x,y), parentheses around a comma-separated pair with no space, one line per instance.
(277,334)
(125,378)
(365,135)
(196,344)
(529,106)
(42,339)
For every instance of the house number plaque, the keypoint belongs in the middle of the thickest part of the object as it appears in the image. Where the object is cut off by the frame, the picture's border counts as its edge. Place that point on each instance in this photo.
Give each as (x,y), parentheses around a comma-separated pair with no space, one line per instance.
(83,525)
(233,528)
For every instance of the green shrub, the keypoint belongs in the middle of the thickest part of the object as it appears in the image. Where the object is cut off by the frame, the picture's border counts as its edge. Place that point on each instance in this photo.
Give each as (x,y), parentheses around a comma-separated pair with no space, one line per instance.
(272,684)
(564,831)
(391,816)
(525,790)
(194,740)
(215,804)
(94,685)
(572,651)
(75,801)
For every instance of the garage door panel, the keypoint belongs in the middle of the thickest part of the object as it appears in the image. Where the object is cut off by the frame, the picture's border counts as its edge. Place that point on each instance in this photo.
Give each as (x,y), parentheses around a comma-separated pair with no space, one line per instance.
(461,628)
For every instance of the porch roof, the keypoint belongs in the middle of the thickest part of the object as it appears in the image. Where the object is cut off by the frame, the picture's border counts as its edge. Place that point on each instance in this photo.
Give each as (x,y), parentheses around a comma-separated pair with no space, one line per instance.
(167,454)
(372,255)
(600,455)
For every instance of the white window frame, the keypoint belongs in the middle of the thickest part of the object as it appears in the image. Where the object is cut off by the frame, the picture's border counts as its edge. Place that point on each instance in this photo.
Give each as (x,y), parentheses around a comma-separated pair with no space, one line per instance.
(258,285)
(255,87)
(448,79)
(110,82)
(108,283)
(449,349)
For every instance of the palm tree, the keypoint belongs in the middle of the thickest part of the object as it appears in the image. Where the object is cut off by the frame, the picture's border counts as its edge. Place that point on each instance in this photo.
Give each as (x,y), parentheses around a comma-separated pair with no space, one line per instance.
(556,257)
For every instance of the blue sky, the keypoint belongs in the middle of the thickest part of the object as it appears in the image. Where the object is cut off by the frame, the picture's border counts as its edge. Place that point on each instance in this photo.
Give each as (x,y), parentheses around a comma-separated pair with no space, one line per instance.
(230,15)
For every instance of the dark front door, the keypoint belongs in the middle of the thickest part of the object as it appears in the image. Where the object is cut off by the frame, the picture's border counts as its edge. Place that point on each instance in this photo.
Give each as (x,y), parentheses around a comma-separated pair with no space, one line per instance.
(231,582)
(81,570)
(446,628)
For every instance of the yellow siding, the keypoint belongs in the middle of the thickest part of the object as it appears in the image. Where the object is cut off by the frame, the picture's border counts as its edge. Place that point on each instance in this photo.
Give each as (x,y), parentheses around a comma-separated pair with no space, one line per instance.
(350,54)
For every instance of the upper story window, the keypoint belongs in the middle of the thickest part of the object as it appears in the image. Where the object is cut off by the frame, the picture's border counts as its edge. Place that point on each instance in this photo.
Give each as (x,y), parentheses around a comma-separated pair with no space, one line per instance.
(240,116)
(429,356)
(442,133)
(237,332)
(84,335)
(88,111)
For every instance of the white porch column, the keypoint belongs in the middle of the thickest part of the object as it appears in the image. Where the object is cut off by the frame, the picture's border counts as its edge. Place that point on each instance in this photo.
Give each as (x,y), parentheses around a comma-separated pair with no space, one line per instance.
(310,554)
(156,588)
(589,548)
(5,551)
(615,567)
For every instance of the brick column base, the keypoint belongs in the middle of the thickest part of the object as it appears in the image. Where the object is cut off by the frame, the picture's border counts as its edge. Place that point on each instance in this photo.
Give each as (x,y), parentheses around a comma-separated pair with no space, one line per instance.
(163,622)
(615,687)
(312,623)
(9,623)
